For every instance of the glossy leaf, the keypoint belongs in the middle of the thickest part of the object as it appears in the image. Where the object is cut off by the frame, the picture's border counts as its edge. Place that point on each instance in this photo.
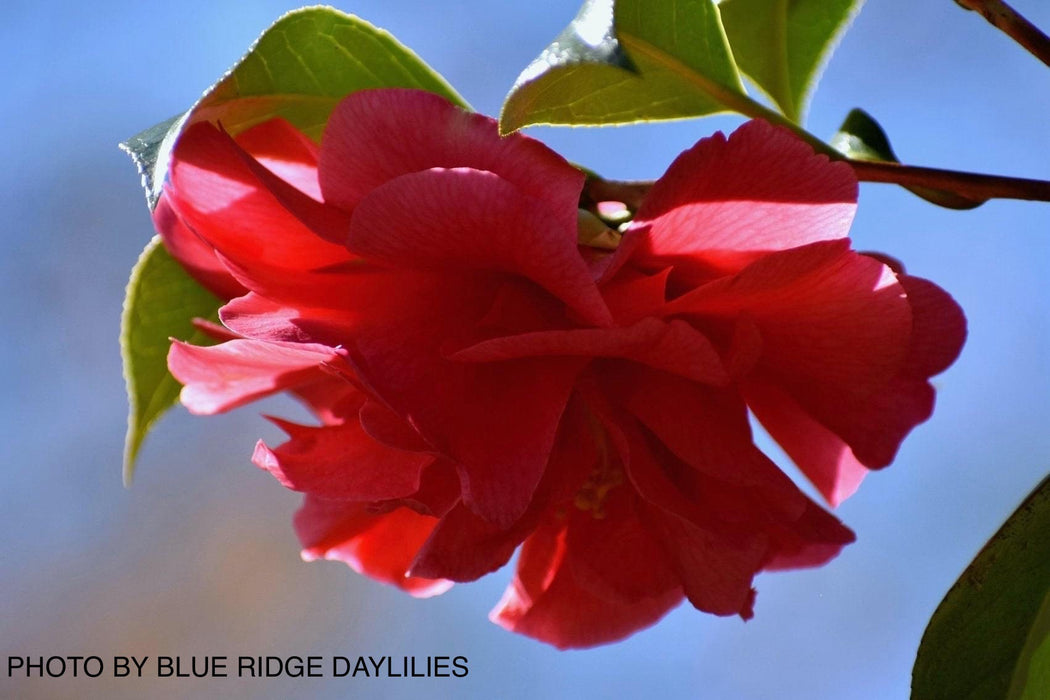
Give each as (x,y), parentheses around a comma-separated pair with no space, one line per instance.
(160,304)
(990,636)
(627,61)
(782,45)
(862,138)
(298,69)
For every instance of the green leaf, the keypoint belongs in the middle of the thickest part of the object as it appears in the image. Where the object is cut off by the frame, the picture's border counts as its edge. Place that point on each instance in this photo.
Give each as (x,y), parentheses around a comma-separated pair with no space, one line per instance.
(150,150)
(782,45)
(862,138)
(298,69)
(627,61)
(990,636)
(161,302)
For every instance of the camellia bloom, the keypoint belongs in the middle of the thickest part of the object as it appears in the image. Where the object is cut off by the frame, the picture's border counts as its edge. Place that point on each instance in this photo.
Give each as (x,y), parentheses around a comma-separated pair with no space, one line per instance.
(484,382)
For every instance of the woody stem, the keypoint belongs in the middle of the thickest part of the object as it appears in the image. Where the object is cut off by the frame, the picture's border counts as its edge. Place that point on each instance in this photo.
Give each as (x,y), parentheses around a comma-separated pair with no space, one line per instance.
(1007,19)
(974,186)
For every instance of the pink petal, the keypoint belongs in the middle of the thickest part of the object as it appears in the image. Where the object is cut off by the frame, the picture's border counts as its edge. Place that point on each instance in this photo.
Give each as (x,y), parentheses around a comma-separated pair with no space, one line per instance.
(286,152)
(341,462)
(724,203)
(708,430)
(938,328)
(672,346)
(242,210)
(332,399)
(822,456)
(374,136)
(255,316)
(463,411)
(632,296)
(613,554)
(715,559)
(547,603)
(385,426)
(813,540)
(225,376)
(835,329)
(466,219)
(196,256)
(464,546)
(378,546)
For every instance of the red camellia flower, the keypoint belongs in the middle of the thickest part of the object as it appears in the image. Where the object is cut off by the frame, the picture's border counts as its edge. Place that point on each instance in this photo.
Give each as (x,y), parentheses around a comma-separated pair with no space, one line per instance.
(484,382)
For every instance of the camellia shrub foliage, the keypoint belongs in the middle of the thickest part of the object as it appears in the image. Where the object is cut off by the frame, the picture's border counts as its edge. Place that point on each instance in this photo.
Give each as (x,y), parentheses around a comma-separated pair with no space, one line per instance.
(505,352)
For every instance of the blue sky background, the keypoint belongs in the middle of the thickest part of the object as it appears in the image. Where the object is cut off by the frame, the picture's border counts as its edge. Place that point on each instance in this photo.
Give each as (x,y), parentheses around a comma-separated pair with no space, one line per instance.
(200,558)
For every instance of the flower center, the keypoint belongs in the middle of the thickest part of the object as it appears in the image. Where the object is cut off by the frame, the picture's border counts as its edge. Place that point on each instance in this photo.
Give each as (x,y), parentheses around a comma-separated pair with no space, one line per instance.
(606,475)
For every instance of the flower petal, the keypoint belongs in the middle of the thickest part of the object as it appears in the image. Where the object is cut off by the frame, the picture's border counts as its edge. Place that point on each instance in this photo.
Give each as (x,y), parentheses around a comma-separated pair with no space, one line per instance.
(463,219)
(813,540)
(715,559)
(286,152)
(379,546)
(614,555)
(374,136)
(835,331)
(242,210)
(822,456)
(724,203)
(341,462)
(708,430)
(196,256)
(673,346)
(236,372)
(938,328)
(464,546)
(544,601)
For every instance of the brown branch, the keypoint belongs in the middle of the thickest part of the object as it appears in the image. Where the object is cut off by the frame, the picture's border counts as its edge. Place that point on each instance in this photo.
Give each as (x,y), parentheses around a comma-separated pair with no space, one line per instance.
(1007,20)
(970,185)
(973,186)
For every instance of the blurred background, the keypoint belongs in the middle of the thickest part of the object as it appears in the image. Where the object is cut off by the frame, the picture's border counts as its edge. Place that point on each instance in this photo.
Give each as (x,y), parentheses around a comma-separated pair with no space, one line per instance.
(199,558)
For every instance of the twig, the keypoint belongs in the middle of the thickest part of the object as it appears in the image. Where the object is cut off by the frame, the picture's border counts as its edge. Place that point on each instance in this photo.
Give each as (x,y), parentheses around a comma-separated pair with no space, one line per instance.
(1013,25)
(974,186)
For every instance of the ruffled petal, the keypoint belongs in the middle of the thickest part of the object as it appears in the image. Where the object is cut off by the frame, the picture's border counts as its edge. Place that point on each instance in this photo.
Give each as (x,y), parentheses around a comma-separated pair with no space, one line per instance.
(546,602)
(938,328)
(823,457)
(613,554)
(835,331)
(496,421)
(221,377)
(286,152)
(378,546)
(341,462)
(246,213)
(374,136)
(814,539)
(708,430)
(715,559)
(673,346)
(464,546)
(464,219)
(725,203)
(255,316)
(196,256)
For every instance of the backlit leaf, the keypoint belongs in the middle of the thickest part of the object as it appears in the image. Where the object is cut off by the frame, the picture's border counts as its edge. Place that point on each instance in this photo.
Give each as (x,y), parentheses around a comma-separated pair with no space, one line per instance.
(298,69)
(628,61)
(782,45)
(161,303)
